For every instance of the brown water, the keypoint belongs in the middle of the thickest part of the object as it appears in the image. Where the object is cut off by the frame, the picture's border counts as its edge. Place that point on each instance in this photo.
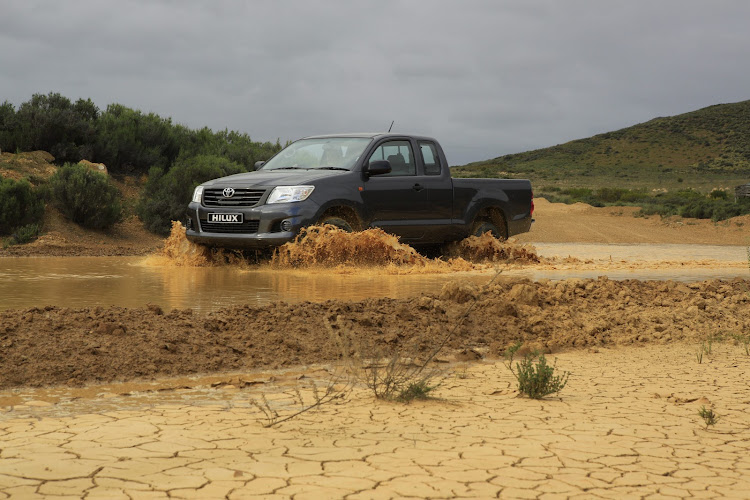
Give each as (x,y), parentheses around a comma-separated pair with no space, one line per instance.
(137,281)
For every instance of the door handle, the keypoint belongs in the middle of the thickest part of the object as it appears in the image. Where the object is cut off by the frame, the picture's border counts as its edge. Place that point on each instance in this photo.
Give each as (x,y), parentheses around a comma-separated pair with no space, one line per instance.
(418,187)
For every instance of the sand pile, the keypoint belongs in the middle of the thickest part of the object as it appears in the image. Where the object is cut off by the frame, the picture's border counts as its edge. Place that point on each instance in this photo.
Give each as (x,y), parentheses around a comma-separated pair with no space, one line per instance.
(54,345)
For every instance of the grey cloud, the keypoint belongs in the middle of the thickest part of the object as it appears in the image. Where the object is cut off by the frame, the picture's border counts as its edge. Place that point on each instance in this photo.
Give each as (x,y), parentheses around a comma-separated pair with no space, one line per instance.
(485,77)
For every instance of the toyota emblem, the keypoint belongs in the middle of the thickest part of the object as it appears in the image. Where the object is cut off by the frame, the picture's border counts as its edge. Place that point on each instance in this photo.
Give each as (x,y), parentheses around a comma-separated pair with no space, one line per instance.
(228,192)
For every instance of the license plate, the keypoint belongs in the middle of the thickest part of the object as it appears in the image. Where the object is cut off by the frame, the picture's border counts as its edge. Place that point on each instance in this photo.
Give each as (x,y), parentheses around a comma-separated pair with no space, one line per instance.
(225,218)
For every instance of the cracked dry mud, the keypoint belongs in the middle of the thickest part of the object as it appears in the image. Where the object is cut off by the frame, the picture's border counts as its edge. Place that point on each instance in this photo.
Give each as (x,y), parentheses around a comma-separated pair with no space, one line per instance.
(626,426)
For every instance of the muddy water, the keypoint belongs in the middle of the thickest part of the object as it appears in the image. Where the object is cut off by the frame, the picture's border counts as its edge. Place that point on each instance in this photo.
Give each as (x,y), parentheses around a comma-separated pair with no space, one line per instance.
(135,282)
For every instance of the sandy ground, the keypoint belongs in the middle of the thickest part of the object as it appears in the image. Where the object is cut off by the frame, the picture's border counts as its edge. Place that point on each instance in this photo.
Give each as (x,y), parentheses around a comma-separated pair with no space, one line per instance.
(626,426)
(558,223)
(63,238)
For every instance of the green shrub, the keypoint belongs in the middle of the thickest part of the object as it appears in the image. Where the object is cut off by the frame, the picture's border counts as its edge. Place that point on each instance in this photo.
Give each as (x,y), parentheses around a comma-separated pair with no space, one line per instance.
(20,205)
(86,197)
(578,194)
(26,234)
(610,195)
(167,194)
(535,377)
(22,235)
(415,390)
(708,415)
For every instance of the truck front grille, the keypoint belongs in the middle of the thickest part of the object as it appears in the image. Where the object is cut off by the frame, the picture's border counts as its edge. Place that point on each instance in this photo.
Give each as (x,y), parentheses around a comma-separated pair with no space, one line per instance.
(247,227)
(243,197)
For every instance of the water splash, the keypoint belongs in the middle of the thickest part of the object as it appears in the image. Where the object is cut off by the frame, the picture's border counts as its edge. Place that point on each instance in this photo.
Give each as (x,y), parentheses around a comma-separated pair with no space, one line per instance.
(180,252)
(330,246)
(486,248)
(332,249)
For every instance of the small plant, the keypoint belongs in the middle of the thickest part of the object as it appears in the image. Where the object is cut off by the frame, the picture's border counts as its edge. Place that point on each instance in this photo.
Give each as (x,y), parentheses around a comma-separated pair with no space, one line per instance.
(706,346)
(744,341)
(536,379)
(399,374)
(393,376)
(708,416)
(336,388)
(415,390)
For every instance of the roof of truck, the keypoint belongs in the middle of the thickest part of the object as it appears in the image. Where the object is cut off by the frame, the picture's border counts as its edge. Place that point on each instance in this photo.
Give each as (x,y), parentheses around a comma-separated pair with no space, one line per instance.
(368,135)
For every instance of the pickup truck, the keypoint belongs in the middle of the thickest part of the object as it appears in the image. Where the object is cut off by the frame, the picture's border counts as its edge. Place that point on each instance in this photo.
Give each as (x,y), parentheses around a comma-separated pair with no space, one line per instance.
(399,183)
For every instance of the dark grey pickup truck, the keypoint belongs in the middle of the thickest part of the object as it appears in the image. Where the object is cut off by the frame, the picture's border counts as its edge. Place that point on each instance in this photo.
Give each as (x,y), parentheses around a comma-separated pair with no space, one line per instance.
(400,183)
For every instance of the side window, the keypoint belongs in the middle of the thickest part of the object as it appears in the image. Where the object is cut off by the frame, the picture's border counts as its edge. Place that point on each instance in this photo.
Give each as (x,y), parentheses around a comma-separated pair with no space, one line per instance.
(430,158)
(399,155)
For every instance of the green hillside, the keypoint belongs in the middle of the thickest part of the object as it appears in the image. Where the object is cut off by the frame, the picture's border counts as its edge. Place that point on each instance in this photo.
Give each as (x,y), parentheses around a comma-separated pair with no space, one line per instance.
(704,149)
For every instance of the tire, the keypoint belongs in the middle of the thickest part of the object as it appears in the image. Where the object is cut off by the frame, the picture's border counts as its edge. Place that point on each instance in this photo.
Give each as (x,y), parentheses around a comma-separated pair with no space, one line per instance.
(482,226)
(336,222)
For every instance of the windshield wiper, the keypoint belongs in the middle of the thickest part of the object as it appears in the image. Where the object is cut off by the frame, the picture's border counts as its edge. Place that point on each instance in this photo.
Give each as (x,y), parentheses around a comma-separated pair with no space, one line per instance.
(291,168)
(333,168)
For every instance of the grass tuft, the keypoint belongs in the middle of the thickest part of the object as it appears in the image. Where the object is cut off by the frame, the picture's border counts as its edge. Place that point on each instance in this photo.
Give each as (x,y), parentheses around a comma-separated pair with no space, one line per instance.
(415,390)
(708,416)
(536,379)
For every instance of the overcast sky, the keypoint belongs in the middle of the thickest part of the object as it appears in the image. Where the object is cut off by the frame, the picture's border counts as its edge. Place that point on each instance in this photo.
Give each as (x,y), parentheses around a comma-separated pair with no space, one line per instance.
(486,78)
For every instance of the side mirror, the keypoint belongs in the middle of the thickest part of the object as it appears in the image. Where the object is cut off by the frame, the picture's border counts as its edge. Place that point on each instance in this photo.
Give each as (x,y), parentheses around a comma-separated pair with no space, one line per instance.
(259,164)
(378,167)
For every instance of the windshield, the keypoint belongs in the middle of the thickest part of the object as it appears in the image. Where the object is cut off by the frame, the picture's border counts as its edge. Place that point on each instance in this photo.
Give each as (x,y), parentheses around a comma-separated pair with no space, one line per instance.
(327,153)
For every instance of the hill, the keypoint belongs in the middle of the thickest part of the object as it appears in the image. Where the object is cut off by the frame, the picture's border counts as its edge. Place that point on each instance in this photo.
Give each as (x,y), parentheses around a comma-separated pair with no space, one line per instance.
(60,236)
(704,149)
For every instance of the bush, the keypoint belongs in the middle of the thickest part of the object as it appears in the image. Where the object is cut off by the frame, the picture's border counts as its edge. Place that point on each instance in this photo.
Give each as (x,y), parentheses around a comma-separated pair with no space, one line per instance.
(20,205)
(52,123)
(167,194)
(128,141)
(22,235)
(535,377)
(86,197)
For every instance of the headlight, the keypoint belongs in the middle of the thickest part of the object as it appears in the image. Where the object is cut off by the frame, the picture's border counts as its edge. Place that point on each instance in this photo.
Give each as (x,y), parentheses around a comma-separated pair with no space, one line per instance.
(198,194)
(286,194)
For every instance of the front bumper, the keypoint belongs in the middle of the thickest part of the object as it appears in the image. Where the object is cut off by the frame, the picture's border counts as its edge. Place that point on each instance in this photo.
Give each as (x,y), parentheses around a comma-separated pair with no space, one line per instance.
(265,223)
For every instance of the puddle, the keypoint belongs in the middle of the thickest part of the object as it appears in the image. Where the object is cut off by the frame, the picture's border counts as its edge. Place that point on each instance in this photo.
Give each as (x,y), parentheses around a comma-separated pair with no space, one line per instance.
(226,390)
(135,282)
(130,282)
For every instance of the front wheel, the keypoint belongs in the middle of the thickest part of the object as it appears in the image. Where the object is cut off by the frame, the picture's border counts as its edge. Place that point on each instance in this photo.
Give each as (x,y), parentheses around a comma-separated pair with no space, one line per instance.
(336,222)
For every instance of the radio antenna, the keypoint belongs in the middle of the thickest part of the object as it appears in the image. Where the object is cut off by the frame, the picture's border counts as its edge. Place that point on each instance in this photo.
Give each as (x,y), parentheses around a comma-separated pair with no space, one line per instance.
(389,128)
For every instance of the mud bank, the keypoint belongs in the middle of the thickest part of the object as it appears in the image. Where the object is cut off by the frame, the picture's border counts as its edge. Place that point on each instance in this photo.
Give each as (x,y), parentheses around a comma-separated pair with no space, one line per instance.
(51,345)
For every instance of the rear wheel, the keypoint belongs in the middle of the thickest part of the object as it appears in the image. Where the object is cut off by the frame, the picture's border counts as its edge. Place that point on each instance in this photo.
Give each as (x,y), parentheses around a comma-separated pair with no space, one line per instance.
(482,226)
(336,222)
